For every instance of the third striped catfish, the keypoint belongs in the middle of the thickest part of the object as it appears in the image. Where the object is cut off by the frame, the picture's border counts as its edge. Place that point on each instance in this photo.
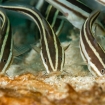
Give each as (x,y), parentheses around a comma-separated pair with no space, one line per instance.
(74,11)
(6,43)
(51,52)
(90,49)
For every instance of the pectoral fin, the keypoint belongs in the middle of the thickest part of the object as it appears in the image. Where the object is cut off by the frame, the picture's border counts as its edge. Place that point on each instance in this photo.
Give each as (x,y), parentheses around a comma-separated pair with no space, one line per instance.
(66,47)
(37,49)
(20,50)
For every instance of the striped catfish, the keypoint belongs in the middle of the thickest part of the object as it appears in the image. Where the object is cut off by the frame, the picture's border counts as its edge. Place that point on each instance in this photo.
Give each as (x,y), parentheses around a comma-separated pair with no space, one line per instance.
(74,11)
(52,16)
(90,49)
(6,43)
(51,52)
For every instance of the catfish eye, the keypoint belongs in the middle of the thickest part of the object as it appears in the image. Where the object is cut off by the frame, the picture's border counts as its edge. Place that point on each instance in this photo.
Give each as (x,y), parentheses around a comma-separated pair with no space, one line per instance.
(60,58)
(45,60)
(4,60)
(103,71)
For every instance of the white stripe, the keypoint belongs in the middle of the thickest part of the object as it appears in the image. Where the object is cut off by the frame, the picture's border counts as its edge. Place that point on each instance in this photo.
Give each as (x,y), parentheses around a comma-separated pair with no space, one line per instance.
(94,71)
(44,63)
(48,11)
(82,54)
(54,18)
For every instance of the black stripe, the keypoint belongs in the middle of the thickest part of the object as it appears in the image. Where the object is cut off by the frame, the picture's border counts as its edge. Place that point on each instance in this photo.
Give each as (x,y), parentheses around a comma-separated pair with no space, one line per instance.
(1,16)
(59,55)
(80,5)
(44,9)
(51,15)
(58,23)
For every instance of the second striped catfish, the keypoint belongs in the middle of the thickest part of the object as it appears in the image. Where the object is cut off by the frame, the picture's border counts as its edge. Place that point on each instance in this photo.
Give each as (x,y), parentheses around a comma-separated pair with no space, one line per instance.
(6,43)
(90,49)
(51,52)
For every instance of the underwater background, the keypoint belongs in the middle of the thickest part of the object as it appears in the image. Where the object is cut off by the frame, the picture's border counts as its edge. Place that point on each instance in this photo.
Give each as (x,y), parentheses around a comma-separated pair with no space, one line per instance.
(25,33)
(27,81)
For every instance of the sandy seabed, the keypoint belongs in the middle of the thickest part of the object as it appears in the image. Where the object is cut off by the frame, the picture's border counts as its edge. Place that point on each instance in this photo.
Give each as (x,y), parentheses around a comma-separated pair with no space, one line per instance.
(28,84)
